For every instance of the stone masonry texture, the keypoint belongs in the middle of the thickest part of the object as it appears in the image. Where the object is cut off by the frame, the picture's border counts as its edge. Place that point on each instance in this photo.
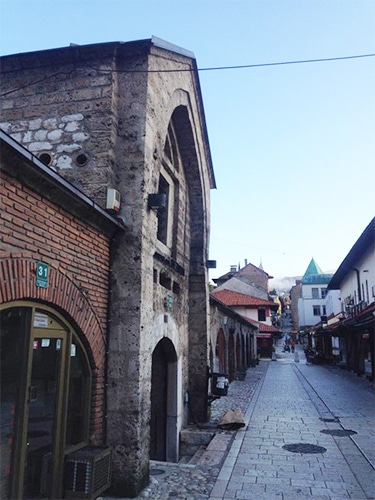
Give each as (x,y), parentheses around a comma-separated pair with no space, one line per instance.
(120,115)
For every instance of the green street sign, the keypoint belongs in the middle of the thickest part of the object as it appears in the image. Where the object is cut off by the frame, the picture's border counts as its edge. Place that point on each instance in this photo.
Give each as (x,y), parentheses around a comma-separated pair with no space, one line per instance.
(42,275)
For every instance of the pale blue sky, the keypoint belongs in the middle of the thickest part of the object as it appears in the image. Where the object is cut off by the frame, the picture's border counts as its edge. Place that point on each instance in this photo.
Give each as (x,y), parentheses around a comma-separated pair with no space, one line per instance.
(293,146)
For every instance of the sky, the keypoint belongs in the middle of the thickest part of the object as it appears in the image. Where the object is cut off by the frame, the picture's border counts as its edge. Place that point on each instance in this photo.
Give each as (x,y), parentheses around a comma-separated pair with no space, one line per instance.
(292,145)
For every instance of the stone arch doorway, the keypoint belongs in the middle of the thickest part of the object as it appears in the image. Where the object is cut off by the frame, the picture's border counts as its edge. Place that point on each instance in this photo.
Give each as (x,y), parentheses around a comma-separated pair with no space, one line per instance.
(231,357)
(220,352)
(163,427)
(238,353)
(248,354)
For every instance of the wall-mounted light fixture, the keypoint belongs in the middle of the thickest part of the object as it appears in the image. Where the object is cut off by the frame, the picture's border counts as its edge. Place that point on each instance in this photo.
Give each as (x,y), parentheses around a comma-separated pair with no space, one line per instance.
(156,201)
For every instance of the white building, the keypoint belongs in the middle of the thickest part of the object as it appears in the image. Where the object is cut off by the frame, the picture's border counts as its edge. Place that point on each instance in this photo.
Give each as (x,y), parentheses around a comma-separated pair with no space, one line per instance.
(353,331)
(312,300)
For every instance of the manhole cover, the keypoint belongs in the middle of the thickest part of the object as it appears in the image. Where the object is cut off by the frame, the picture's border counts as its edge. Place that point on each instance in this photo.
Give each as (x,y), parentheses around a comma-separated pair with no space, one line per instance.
(156,472)
(338,432)
(304,448)
(335,419)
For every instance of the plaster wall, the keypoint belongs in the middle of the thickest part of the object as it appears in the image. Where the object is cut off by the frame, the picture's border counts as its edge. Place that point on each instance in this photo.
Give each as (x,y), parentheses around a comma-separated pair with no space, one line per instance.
(252,313)
(333,302)
(306,304)
(366,278)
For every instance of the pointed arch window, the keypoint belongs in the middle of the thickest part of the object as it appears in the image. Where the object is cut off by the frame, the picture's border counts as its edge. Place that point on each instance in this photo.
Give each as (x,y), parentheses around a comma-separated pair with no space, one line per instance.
(168,185)
(166,214)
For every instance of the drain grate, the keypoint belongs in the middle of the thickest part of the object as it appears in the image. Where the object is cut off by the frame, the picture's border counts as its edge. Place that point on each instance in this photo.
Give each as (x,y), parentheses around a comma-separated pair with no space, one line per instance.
(338,432)
(304,448)
(156,472)
(334,419)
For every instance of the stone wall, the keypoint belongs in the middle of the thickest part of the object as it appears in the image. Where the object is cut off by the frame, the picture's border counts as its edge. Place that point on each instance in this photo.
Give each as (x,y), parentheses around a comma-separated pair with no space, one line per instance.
(233,327)
(104,113)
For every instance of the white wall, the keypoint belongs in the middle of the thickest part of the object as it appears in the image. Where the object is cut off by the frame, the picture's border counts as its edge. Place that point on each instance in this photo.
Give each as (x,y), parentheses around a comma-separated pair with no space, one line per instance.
(252,313)
(307,302)
(333,302)
(366,271)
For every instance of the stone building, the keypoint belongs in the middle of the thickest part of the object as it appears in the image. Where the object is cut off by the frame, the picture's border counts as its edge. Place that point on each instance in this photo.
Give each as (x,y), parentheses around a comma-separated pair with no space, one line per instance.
(233,341)
(245,292)
(124,124)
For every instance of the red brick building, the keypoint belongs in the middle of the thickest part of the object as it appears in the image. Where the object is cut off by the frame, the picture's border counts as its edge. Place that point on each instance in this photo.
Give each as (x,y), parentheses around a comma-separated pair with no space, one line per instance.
(55,246)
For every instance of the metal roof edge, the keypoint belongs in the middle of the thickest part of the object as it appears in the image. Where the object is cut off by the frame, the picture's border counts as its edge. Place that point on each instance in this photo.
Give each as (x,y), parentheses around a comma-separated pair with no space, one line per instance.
(359,248)
(163,44)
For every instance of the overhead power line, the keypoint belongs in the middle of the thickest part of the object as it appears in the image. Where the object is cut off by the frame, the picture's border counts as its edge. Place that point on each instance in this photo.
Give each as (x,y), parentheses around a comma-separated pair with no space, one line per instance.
(220,68)
(179,70)
(303,61)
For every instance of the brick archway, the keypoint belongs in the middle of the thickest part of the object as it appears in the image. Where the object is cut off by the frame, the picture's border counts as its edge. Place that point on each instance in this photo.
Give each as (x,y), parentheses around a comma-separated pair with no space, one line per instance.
(18,282)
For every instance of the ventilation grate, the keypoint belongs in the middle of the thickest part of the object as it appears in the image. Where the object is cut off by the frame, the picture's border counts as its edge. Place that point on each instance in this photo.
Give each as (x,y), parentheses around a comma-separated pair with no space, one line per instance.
(87,472)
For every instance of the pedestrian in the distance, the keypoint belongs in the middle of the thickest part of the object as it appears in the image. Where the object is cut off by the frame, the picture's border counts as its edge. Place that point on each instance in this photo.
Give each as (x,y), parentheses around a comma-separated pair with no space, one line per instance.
(292,344)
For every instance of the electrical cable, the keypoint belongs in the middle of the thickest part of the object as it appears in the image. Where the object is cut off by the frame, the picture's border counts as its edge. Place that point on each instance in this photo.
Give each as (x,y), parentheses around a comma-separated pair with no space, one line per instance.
(244,66)
(217,68)
(35,82)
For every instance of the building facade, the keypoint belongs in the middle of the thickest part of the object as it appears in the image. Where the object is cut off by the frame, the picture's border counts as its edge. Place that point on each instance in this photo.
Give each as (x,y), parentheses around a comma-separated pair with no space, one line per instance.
(352,330)
(55,258)
(126,120)
(233,341)
(311,301)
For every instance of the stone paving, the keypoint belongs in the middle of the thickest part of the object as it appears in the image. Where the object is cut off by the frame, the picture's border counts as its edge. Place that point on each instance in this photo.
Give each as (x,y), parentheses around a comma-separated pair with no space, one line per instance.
(288,408)
(194,481)
(285,402)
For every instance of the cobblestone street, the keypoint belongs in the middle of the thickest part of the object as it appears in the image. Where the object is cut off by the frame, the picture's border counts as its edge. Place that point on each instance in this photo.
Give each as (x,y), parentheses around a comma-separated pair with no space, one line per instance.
(309,433)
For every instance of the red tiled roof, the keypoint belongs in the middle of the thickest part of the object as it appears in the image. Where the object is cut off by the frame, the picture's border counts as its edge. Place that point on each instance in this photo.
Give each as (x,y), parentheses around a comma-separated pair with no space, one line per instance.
(231,298)
(268,328)
(263,328)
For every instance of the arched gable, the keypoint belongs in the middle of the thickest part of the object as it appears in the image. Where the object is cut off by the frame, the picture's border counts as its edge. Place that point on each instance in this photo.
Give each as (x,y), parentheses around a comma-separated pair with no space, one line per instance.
(18,282)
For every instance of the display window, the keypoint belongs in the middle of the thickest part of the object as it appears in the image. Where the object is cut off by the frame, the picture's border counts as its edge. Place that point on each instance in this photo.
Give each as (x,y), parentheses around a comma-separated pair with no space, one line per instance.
(45,395)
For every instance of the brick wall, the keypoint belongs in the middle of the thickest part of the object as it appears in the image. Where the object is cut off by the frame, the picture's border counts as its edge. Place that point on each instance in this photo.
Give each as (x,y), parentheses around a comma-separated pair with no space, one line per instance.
(33,229)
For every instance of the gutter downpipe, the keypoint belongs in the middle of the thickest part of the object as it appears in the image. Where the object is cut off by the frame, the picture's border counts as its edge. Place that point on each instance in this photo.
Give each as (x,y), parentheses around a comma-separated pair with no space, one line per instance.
(358,285)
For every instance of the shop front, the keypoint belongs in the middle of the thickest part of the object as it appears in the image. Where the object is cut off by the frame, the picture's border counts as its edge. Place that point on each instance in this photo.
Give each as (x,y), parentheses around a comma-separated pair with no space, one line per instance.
(45,399)
(54,273)
(264,344)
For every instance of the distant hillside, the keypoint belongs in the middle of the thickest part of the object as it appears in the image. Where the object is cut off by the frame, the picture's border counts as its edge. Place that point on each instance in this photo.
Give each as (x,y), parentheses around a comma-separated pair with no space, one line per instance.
(283,284)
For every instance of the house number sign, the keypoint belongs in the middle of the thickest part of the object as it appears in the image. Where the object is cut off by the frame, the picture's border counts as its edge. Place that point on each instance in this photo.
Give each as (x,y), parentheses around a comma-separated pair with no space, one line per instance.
(42,275)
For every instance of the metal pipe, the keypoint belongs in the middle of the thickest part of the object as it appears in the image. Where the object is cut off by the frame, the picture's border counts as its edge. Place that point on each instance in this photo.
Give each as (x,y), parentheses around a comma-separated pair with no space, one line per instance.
(358,284)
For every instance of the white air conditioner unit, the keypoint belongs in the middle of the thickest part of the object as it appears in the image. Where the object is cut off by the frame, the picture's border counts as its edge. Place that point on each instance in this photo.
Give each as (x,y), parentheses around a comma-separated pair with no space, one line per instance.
(113,200)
